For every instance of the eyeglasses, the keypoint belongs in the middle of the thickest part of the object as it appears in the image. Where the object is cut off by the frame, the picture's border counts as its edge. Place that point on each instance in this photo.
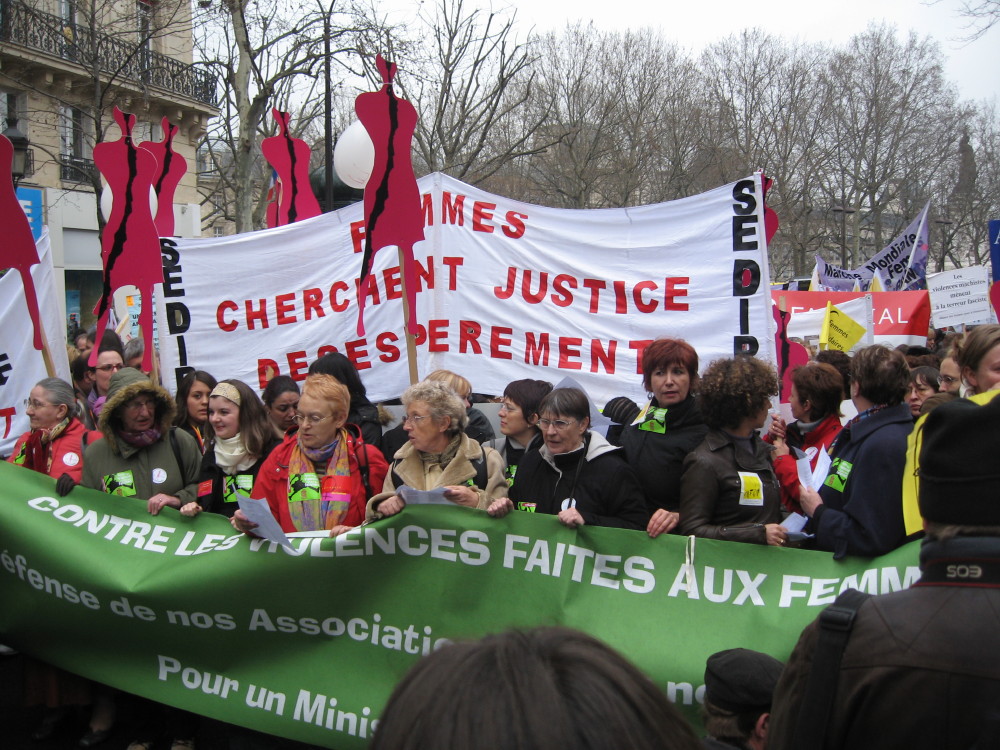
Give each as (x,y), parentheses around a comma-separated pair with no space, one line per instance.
(33,404)
(559,424)
(313,419)
(141,403)
(414,418)
(509,408)
(109,368)
(946,380)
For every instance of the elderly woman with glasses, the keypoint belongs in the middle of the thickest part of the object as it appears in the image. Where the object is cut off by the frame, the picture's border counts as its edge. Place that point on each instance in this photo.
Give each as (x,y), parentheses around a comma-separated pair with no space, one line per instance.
(576,475)
(322,474)
(438,454)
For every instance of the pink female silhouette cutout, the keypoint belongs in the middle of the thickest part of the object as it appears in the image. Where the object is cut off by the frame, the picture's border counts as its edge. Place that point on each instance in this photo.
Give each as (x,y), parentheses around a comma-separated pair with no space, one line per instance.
(171,167)
(19,249)
(393,213)
(290,159)
(790,354)
(130,246)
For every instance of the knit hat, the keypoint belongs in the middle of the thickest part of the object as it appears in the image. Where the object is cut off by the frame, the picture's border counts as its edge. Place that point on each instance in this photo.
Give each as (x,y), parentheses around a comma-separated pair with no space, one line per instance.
(741,680)
(621,410)
(959,475)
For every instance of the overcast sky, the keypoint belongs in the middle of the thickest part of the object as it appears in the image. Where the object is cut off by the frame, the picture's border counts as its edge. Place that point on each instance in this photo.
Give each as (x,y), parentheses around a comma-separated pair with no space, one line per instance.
(974,67)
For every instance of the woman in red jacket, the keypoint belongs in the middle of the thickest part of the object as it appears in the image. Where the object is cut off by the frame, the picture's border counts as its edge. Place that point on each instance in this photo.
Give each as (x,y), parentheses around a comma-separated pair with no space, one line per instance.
(322,474)
(817,390)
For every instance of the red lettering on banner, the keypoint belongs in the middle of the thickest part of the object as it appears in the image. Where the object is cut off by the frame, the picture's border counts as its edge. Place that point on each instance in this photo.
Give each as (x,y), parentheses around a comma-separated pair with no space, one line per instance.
(561,285)
(357,352)
(266,369)
(595,286)
(621,300)
(385,343)
(536,352)
(8,413)
(533,298)
(468,336)
(672,292)
(453,265)
(230,325)
(358,236)
(569,347)
(641,304)
(639,347)
(425,275)
(606,358)
(336,304)
(500,337)
(482,212)
(427,201)
(284,308)
(515,225)
(501,293)
(370,291)
(437,339)
(393,281)
(253,316)
(312,302)
(326,349)
(452,209)
(298,366)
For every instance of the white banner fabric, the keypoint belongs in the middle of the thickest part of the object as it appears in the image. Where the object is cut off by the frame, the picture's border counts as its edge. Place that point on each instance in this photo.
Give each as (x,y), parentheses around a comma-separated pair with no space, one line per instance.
(961,296)
(21,365)
(506,290)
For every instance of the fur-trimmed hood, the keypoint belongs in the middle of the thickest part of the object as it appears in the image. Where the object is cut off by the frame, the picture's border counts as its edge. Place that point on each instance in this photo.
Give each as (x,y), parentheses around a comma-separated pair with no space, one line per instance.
(125,385)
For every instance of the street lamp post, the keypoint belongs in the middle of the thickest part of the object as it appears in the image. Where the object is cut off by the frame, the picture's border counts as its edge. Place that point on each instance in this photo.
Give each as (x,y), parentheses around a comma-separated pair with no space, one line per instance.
(19,164)
(843,211)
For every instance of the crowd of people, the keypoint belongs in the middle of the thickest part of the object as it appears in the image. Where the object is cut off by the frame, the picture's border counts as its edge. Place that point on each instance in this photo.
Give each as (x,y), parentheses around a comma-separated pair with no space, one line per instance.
(707,456)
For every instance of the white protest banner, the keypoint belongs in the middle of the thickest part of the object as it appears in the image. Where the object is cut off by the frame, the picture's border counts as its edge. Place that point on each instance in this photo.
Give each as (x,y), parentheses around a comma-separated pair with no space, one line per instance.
(961,296)
(506,290)
(21,365)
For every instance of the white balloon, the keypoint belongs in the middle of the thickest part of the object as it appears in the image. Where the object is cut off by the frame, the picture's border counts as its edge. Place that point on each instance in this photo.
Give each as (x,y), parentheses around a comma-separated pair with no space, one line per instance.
(354,156)
(107,201)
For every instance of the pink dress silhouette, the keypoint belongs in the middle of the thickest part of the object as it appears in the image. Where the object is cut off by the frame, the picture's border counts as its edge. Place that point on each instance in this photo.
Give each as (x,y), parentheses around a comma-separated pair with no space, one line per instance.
(393,214)
(130,245)
(290,159)
(19,250)
(171,167)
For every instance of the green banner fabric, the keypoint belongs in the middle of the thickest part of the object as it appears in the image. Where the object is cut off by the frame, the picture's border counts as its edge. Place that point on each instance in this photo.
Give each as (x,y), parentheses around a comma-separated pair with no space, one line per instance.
(307,643)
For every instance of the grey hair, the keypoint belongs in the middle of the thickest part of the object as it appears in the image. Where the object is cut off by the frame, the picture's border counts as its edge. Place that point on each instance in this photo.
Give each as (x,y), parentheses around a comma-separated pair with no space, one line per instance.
(134,348)
(443,402)
(566,402)
(59,392)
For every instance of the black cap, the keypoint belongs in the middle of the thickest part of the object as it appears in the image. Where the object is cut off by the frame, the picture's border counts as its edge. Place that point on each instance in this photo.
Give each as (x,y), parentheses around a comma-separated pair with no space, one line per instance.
(959,474)
(741,680)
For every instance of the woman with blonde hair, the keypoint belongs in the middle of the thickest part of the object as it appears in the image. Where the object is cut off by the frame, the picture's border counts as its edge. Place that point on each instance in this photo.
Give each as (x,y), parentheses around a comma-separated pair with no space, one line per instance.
(320,476)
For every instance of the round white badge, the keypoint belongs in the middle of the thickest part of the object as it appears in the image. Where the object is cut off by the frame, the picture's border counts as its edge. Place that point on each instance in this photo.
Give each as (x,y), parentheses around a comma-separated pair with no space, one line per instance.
(71,459)
(159,476)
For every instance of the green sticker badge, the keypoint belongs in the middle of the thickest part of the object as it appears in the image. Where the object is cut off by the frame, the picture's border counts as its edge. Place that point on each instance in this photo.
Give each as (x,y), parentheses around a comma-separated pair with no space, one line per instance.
(121,483)
(302,487)
(840,470)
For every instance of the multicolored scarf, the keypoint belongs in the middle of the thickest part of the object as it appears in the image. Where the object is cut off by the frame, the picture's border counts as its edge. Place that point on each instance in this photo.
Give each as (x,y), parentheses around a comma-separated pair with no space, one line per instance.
(38,447)
(141,438)
(319,499)
(854,420)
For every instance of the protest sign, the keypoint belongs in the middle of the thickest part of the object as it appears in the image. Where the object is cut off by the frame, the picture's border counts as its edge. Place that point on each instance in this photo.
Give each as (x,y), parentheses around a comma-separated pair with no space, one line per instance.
(897,317)
(845,329)
(307,642)
(21,365)
(505,290)
(960,297)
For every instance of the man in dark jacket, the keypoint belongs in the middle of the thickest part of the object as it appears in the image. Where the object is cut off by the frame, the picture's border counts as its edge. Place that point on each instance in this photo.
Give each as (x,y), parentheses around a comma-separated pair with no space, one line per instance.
(921,667)
(859,509)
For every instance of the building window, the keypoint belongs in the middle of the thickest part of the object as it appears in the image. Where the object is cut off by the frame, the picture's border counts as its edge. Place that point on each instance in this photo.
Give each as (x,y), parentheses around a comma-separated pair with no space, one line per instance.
(218,231)
(76,166)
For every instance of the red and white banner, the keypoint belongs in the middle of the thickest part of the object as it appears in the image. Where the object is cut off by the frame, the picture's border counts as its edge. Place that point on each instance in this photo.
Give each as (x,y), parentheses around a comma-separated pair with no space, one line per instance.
(898,317)
(506,290)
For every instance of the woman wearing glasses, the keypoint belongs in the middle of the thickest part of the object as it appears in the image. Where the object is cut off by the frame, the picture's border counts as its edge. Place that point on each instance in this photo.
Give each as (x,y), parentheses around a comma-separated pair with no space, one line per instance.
(109,361)
(320,476)
(576,475)
(54,444)
(519,422)
(439,454)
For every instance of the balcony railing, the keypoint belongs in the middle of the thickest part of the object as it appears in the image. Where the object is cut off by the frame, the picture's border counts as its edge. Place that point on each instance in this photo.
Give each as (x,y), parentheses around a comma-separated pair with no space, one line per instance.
(76,169)
(27,27)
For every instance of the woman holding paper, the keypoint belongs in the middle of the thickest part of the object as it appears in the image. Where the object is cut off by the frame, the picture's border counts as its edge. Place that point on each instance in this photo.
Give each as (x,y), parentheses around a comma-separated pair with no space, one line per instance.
(439,454)
(817,389)
(242,440)
(729,489)
(320,476)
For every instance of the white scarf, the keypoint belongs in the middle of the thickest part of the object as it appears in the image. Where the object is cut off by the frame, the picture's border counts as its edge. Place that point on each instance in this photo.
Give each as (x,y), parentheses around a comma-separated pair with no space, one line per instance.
(231,455)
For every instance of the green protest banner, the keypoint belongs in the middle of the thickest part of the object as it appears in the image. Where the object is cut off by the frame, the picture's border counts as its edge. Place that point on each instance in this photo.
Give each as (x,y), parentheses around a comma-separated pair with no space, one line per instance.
(308,642)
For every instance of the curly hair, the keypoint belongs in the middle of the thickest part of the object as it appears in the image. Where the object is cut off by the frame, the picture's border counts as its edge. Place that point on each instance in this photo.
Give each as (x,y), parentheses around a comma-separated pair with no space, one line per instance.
(735,389)
(441,400)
